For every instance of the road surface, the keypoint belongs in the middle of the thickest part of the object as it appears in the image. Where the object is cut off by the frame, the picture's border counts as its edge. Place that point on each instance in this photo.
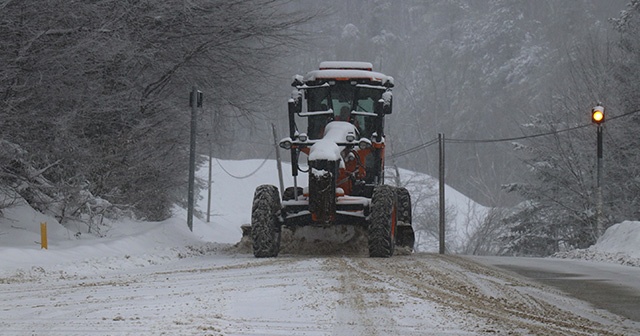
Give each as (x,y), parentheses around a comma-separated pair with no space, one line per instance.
(608,286)
(231,293)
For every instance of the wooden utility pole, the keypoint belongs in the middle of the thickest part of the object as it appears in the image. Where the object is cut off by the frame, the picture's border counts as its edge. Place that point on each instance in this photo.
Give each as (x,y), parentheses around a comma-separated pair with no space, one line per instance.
(195,101)
(209,184)
(441,191)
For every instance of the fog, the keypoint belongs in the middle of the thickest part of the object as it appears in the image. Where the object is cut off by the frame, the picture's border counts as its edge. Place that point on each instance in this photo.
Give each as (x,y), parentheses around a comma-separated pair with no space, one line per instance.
(94,101)
(467,69)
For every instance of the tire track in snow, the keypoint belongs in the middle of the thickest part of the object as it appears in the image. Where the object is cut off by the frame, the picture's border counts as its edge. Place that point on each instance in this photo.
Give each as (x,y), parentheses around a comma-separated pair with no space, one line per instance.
(352,312)
(505,303)
(372,304)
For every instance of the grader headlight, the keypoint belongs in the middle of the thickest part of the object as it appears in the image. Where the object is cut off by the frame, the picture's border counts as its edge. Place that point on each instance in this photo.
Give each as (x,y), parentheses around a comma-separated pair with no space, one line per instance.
(285,143)
(351,137)
(364,143)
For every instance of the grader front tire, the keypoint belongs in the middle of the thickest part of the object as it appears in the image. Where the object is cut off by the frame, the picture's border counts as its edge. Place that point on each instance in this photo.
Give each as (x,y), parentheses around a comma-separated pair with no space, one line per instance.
(265,225)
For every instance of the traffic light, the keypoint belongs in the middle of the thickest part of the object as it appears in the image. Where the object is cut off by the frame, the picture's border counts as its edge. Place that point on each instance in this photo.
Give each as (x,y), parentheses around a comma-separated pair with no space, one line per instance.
(597,115)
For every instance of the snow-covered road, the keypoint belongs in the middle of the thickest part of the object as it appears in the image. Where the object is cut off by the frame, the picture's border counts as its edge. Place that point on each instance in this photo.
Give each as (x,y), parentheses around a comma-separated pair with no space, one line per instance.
(219,291)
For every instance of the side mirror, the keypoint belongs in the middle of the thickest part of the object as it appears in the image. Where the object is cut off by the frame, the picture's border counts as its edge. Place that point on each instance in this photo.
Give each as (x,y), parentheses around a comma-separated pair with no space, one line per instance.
(381,108)
(387,102)
(295,103)
(387,109)
(297,80)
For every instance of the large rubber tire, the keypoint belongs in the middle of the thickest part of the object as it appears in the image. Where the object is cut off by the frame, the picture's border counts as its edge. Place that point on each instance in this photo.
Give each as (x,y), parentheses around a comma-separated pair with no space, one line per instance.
(382,222)
(265,225)
(405,236)
(404,205)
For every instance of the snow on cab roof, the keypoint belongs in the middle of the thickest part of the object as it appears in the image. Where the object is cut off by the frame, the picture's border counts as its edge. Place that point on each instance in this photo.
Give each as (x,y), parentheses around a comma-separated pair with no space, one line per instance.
(347,70)
(346,65)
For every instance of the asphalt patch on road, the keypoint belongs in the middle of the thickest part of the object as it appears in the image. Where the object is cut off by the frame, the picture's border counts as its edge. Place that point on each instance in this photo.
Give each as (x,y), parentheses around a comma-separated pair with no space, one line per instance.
(619,300)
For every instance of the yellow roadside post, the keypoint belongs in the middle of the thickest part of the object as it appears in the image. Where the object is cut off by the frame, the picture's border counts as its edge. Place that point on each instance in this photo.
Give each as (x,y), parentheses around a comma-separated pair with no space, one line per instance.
(43,236)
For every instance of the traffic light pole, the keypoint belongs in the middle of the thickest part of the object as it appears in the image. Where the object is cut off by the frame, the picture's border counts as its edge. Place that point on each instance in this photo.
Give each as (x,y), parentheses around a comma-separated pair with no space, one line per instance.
(598,117)
(599,172)
(599,219)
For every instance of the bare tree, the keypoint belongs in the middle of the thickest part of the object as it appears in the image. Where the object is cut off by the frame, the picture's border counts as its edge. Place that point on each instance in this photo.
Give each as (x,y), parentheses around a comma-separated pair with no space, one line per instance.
(100,88)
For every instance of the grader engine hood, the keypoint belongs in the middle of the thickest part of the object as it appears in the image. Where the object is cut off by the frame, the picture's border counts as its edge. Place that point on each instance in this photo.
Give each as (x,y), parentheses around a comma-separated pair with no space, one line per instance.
(327,148)
(325,160)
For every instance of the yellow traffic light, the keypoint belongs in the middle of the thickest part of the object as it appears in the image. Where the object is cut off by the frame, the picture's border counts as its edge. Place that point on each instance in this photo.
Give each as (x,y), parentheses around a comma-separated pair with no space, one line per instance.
(597,115)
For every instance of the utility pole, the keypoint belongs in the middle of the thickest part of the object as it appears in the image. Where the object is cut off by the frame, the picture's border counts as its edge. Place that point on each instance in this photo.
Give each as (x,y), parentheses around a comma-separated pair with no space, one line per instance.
(209,184)
(195,101)
(441,191)
(209,180)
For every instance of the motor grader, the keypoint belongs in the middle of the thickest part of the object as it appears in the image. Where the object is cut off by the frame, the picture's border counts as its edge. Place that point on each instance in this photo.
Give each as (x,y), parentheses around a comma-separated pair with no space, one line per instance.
(336,119)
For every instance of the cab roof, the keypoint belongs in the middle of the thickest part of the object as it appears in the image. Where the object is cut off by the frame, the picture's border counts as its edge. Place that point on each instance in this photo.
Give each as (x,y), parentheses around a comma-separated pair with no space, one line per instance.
(346,65)
(336,70)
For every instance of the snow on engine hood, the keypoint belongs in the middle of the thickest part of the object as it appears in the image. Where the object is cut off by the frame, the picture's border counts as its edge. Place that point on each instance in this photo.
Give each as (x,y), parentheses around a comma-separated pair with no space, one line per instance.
(326,148)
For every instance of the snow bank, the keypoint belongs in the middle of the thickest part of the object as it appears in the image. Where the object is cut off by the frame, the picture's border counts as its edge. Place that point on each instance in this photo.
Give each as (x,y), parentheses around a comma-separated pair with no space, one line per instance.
(20,226)
(621,238)
(129,244)
(620,244)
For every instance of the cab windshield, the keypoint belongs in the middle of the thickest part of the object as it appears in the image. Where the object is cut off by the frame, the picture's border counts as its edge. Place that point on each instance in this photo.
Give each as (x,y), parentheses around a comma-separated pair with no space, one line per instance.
(342,98)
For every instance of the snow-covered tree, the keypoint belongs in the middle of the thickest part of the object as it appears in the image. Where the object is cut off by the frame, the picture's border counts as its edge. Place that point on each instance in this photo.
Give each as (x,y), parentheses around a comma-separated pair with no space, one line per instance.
(623,161)
(562,207)
(97,92)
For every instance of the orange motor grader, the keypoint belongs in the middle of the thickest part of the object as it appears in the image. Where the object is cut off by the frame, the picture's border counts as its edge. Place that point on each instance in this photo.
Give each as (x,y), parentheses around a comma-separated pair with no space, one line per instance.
(336,119)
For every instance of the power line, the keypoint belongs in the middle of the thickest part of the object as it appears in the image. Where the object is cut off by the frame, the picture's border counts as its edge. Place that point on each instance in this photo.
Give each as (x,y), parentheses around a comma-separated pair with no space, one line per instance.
(624,115)
(535,135)
(461,141)
(516,138)
(415,149)
(248,175)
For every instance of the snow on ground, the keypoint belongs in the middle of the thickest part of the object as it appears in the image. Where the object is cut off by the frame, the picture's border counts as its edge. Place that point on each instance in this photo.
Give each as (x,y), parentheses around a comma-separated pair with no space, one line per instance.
(158,278)
(128,244)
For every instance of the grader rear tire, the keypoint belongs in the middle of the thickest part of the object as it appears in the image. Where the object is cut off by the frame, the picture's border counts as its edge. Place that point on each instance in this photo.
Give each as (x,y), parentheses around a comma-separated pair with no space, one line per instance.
(405,236)
(382,222)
